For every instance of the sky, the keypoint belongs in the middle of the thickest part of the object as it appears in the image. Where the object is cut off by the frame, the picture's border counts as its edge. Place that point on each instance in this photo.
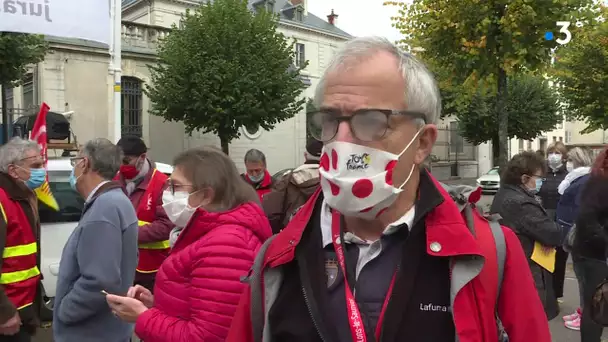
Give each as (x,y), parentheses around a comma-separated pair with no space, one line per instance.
(358,17)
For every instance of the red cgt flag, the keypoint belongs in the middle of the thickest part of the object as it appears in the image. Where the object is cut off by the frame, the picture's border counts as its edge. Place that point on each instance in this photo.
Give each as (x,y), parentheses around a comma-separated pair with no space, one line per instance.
(39,135)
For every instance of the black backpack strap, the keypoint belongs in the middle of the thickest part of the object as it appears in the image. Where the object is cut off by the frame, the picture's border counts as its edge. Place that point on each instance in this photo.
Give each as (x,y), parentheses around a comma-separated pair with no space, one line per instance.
(254,279)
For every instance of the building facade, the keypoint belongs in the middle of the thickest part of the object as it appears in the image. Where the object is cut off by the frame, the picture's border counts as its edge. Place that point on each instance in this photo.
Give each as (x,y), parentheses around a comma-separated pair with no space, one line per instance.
(75,78)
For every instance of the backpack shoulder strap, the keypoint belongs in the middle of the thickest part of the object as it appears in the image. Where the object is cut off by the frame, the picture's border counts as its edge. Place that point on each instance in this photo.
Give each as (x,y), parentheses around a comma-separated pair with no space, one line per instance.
(501,247)
(501,255)
(254,278)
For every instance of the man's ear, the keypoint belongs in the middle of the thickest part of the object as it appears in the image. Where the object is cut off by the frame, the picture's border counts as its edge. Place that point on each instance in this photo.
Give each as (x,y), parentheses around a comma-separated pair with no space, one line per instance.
(426,139)
(12,171)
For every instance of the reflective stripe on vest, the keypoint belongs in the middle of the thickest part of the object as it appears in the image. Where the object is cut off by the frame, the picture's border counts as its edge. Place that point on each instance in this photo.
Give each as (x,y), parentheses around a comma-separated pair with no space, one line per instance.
(17,276)
(15,251)
(3,213)
(152,245)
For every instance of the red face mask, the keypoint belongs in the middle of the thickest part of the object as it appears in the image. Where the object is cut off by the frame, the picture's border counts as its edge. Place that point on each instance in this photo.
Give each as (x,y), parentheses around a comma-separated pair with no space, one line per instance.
(128,171)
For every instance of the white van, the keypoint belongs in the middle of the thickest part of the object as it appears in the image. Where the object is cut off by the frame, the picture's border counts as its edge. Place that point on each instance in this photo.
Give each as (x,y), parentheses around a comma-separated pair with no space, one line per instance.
(56,226)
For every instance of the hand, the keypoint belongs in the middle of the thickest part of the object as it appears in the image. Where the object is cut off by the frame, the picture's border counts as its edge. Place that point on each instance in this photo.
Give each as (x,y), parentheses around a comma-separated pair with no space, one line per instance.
(125,308)
(12,326)
(142,294)
(546,249)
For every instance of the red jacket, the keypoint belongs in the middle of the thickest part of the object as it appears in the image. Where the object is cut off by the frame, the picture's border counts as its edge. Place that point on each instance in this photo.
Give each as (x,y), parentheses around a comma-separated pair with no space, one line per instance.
(263,187)
(198,287)
(519,306)
(154,225)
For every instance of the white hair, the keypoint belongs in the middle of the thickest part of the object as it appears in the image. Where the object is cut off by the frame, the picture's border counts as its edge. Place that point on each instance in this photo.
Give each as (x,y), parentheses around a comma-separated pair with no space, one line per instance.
(15,151)
(421,91)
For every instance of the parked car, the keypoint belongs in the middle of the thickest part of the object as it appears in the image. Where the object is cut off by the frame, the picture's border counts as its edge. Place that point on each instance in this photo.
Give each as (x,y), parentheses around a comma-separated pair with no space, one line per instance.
(490,182)
(56,226)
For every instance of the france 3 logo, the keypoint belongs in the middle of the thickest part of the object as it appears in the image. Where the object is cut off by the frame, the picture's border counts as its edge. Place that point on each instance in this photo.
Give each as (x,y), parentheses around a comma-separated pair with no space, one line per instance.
(563,30)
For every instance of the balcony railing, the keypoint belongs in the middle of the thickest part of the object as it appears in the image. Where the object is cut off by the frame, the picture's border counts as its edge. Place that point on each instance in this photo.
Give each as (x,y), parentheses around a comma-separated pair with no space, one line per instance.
(144,36)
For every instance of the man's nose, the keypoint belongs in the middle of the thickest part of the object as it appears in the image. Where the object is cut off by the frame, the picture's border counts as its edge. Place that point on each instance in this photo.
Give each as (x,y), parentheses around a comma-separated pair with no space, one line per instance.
(344,133)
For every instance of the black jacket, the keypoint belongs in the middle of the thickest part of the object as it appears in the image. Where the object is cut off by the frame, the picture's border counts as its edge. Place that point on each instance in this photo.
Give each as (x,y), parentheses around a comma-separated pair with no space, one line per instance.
(592,220)
(522,213)
(548,192)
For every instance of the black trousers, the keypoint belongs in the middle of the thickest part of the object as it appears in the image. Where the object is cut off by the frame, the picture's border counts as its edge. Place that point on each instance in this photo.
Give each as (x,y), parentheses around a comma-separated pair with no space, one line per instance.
(21,336)
(593,272)
(559,274)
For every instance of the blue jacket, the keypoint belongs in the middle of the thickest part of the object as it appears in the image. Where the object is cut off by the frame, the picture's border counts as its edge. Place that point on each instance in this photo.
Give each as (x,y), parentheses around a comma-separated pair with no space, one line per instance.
(568,205)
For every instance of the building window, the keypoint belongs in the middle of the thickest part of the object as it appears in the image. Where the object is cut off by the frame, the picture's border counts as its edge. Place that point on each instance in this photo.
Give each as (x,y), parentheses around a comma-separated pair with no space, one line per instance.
(456,140)
(299,14)
(554,138)
(561,139)
(529,145)
(568,137)
(521,145)
(28,91)
(300,54)
(131,106)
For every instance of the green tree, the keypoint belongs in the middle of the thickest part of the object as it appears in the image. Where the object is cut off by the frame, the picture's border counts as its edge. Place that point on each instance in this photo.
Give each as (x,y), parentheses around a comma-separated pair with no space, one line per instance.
(226,68)
(478,40)
(581,70)
(532,107)
(17,52)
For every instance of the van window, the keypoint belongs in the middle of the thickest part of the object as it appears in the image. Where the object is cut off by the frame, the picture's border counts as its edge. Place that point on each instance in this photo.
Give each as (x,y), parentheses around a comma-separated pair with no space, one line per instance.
(70,202)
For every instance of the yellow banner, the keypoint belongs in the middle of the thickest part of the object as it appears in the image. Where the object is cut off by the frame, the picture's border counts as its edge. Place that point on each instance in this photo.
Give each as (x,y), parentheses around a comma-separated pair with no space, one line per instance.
(46,196)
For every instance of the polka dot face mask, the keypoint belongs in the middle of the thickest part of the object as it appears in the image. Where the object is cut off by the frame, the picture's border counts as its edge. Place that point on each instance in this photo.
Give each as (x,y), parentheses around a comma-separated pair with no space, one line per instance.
(358,180)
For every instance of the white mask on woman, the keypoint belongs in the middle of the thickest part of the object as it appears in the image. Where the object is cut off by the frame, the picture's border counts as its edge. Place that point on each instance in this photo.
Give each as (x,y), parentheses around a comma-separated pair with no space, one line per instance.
(555,160)
(177,208)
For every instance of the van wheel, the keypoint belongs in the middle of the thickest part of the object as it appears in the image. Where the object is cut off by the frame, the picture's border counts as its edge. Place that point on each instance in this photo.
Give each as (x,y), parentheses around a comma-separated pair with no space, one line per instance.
(46,307)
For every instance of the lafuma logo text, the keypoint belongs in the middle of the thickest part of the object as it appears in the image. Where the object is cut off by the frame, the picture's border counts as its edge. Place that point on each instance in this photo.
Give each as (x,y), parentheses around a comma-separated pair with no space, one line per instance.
(39,8)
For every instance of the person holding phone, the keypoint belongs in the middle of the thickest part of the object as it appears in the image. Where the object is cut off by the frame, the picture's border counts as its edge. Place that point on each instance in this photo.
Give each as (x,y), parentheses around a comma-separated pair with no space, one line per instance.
(219,228)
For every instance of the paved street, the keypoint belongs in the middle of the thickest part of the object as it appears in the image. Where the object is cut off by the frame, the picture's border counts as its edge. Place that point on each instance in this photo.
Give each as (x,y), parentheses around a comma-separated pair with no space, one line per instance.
(560,334)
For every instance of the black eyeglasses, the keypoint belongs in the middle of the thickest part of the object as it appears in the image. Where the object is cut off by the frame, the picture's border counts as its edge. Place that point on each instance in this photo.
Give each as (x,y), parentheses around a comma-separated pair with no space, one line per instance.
(365,124)
(172,187)
(75,160)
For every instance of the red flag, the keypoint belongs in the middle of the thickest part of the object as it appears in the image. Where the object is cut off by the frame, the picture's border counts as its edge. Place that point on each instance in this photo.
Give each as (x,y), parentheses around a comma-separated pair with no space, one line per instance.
(39,135)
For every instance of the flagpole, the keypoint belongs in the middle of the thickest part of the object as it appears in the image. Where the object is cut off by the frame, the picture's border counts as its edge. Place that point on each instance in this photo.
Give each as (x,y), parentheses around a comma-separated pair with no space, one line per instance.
(116,65)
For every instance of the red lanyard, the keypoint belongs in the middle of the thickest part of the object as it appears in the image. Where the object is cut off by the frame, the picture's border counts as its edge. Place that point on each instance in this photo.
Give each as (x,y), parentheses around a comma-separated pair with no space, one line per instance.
(357,328)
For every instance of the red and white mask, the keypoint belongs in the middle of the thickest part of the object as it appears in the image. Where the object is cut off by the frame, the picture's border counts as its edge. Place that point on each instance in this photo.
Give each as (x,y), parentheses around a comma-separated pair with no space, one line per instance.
(357,180)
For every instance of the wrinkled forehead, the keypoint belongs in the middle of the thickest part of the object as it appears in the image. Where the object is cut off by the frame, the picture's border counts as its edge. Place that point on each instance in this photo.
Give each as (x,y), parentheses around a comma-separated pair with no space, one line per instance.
(373,81)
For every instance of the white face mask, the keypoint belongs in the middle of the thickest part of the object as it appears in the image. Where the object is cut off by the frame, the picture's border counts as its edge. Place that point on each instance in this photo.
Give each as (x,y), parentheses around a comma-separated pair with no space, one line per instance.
(177,208)
(569,166)
(555,160)
(358,180)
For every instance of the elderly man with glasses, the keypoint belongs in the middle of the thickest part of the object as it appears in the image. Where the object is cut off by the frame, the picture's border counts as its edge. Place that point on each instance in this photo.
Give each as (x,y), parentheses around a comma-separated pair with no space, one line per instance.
(21,171)
(382,252)
(100,256)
